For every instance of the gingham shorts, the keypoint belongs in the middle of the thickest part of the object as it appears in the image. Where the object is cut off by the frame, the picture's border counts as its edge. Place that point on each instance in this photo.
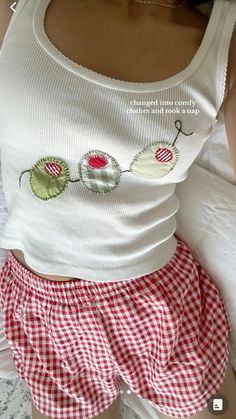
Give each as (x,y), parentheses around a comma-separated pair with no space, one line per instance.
(165,334)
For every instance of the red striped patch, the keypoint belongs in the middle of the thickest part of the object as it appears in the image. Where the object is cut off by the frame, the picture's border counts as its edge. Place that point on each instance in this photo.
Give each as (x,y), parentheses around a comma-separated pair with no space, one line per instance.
(53,169)
(163,154)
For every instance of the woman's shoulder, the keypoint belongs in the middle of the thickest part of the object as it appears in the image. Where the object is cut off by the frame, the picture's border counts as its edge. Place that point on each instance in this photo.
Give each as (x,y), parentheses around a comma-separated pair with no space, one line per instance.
(232,61)
(231,73)
(201,20)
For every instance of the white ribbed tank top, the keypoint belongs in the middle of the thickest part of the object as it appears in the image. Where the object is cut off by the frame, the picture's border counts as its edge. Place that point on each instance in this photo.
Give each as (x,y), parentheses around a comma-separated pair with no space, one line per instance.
(90,163)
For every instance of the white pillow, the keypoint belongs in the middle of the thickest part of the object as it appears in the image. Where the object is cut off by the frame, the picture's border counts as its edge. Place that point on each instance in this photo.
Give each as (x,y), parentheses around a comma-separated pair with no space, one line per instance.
(215,155)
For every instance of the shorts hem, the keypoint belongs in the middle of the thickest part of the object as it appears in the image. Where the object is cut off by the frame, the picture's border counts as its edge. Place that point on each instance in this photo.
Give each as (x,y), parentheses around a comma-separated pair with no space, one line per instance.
(72,414)
(200,406)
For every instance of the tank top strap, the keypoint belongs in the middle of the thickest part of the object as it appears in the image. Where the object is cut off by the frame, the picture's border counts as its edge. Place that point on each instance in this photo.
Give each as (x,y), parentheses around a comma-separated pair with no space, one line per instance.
(209,78)
(222,42)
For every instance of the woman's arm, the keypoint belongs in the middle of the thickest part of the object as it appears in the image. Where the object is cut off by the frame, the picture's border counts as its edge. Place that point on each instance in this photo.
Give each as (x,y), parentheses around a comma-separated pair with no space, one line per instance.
(230,123)
(229,109)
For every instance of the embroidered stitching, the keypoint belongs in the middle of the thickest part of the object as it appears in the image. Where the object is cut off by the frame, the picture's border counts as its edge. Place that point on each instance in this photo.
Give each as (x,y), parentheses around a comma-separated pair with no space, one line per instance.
(157,162)
(49,177)
(145,162)
(100,172)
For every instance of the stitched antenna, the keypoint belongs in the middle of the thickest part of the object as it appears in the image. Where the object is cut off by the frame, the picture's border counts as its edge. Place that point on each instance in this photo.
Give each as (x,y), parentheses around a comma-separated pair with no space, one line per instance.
(179,130)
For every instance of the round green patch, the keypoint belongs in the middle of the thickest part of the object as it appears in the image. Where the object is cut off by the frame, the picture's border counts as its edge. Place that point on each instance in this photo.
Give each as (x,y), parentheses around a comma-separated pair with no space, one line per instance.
(49,177)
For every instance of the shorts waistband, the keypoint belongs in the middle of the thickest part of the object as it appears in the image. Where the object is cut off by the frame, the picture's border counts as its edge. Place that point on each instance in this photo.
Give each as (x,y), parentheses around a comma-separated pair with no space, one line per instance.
(72,290)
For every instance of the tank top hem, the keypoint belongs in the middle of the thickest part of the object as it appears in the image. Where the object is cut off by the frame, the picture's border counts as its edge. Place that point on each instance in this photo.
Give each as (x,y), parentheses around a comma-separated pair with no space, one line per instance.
(149,264)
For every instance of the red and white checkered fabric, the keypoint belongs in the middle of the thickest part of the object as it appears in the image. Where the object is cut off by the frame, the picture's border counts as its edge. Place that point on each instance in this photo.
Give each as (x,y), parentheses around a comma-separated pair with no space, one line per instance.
(165,334)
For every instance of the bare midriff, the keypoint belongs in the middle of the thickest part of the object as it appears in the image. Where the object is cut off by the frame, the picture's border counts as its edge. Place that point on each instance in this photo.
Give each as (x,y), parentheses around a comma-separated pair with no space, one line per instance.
(80,29)
(19,255)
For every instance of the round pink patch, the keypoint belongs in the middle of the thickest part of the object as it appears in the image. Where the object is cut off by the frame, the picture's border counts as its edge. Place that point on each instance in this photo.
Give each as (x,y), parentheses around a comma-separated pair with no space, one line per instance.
(97,162)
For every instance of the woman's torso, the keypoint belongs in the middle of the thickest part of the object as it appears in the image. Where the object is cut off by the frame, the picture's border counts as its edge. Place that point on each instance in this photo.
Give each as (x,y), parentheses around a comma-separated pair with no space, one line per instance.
(127,48)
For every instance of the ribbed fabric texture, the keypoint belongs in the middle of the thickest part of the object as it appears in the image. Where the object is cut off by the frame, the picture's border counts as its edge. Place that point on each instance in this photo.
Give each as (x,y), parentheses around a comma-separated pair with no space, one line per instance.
(89,183)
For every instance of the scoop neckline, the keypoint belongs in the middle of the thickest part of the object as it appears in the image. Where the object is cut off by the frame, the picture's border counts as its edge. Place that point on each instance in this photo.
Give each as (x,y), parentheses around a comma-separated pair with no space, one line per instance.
(116,84)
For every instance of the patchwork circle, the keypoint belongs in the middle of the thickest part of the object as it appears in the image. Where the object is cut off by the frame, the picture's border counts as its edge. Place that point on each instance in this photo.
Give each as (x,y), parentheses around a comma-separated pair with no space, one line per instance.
(99,172)
(155,161)
(49,177)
